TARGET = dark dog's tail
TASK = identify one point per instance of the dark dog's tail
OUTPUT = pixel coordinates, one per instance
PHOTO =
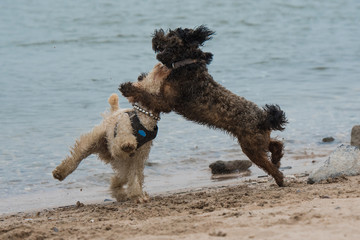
(275, 118)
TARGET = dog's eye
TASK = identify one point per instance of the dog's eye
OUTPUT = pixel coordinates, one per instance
(142, 76)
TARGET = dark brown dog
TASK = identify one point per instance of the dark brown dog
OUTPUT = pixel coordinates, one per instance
(189, 90)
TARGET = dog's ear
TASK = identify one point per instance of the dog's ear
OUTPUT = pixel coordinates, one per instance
(202, 34)
(158, 40)
(197, 36)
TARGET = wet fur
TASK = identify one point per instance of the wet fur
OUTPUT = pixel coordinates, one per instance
(192, 92)
(119, 151)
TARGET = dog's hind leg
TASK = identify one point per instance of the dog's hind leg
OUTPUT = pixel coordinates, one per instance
(257, 153)
(276, 148)
(84, 146)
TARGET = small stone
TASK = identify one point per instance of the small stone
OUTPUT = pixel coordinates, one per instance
(355, 136)
(217, 234)
(223, 167)
(79, 204)
(285, 168)
(55, 229)
(328, 139)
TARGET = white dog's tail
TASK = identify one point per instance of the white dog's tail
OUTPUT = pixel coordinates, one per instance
(114, 102)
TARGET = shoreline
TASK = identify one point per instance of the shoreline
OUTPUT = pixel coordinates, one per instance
(256, 209)
(62, 196)
(56, 198)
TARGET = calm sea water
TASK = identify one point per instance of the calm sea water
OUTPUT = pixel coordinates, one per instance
(61, 60)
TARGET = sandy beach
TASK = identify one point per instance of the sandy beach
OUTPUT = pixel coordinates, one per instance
(256, 209)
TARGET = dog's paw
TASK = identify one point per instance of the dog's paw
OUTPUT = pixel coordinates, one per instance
(127, 89)
(57, 174)
(128, 148)
(144, 198)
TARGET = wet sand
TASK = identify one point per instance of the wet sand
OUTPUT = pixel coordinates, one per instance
(255, 209)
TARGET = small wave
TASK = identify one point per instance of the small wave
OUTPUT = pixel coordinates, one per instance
(51, 42)
(247, 23)
(292, 6)
(82, 40)
(321, 68)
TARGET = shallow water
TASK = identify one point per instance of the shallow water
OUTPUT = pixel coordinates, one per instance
(61, 60)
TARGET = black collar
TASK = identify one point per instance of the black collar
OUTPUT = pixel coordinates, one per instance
(184, 62)
(140, 132)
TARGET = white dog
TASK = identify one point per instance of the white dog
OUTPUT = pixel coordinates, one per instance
(123, 139)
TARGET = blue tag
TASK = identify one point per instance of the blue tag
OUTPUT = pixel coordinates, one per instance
(142, 133)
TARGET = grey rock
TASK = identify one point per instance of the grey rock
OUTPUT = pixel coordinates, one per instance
(222, 167)
(355, 136)
(328, 139)
(344, 161)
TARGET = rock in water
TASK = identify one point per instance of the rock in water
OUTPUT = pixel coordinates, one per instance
(355, 136)
(222, 167)
(344, 161)
(328, 139)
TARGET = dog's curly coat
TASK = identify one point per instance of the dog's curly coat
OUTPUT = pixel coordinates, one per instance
(189, 90)
(114, 142)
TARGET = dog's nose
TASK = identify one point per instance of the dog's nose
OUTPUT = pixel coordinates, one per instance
(128, 148)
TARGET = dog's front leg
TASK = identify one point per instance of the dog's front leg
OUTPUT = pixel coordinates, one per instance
(84, 146)
(148, 100)
(136, 175)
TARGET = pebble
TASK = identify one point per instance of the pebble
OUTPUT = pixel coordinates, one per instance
(285, 168)
(218, 234)
(355, 136)
(328, 139)
(79, 204)
(223, 167)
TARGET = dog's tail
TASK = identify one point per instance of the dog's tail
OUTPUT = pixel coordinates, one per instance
(275, 118)
(114, 102)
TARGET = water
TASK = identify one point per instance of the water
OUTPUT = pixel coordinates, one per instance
(61, 60)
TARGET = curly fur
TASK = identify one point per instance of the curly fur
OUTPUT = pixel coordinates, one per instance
(120, 152)
(192, 92)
